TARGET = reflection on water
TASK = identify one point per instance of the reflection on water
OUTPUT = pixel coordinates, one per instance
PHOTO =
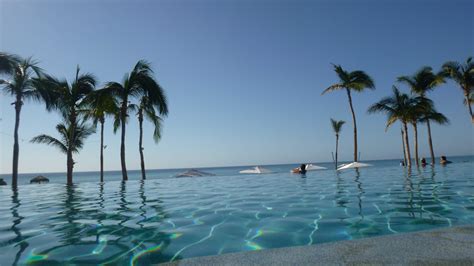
(16, 222)
(138, 223)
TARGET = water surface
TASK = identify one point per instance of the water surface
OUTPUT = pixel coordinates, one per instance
(164, 219)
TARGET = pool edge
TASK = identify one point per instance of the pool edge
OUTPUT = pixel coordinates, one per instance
(452, 245)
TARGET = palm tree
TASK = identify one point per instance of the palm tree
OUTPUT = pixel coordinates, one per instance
(420, 83)
(138, 83)
(99, 104)
(351, 81)
(463, 75)
(68, 100)
(420, 108)
(146, 109)
(22, 74)
(414, 123)
(432, 115)
(398, 107)
(337, 127)
(403, 147)
(79, 132)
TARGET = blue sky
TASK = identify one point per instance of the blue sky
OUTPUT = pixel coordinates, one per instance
(243, 78)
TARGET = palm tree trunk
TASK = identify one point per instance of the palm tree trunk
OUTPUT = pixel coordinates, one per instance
(123, 117)
(140, 143)
(466, 95)
(404, 150)
(69, 159)
(337, 144)
(70, 166)
(354, 122)
(415, 133)
(102, 150)
(407, 144)
(16, 145)
(430, 142)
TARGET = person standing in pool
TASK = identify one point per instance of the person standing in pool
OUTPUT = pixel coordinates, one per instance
(299, 170)
(444, 161)
(303, 169)
(423, 162)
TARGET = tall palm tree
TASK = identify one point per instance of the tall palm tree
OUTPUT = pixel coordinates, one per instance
(67, 98)
(146, 109)
(414, 123)
(138, 83)
(421, 83)
(398, 107)
(351, 81)
(99, 104)
(432, 115)
(337, 127)
(403, 147)
(420, 108)
(65, 144)
(463, 75)
(21, 75)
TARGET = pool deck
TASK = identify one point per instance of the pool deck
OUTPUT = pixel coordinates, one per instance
(447, 246)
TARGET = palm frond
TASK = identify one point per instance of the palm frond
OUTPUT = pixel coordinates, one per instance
(98, 104)
(154, 93)
(391, 119)
(48, 140)
(332, 88)
(81, 132)
(360, 80)
(150, 113)
(337, 125)
(399, 106)
(462, 74)
(423, 80)
(117, 122)
(407, 80)
(436, 117)
(8, 63)
(343, 75)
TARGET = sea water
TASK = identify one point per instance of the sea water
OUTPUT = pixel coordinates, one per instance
(165, 218)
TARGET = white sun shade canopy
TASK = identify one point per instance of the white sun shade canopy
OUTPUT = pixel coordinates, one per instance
(353, 165)
(256, 170)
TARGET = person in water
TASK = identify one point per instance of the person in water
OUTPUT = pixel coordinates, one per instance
(423, 162)
(444, 161)
(402, 163)
(303, 169)
(299, 170)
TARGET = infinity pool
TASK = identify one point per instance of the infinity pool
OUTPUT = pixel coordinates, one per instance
(159, 220)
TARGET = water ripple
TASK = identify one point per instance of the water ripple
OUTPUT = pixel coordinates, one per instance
(141, 223)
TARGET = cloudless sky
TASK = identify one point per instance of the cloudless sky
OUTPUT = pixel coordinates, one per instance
(243, 78)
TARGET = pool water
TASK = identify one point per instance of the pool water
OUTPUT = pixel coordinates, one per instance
(166, 219)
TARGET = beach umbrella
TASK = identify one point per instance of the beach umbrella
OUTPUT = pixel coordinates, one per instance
(353, 165)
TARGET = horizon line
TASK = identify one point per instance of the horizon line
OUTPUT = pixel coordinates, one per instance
(228, 166)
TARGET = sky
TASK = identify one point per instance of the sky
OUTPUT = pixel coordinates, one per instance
(243, 78)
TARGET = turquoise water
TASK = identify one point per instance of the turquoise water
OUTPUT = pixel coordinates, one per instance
(165, 218)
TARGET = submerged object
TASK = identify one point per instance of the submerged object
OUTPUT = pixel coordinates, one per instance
(39, 179)
(194, 172)
(2, 182)
(353, 165)
(309, 167)
(256, 170)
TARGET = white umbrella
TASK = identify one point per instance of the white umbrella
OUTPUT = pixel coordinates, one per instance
(353, 165)
(311, 167)
(256, 170)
